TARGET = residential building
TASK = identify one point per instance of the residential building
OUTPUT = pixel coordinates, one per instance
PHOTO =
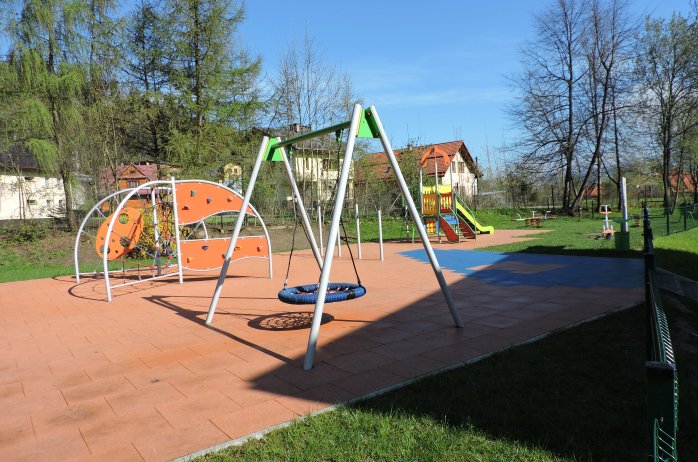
(29, 192)
(451, 162)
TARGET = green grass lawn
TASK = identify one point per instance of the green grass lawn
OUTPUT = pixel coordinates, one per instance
(679, 253)
(578, 395)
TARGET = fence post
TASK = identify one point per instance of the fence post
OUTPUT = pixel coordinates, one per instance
(668, 227)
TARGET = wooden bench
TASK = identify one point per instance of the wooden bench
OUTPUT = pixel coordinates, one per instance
(533, 222)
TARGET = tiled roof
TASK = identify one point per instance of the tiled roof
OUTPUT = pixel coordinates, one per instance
(432, 155)
(18, 157)
(146, 170)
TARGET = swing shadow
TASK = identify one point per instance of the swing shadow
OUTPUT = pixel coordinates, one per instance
(95, 285)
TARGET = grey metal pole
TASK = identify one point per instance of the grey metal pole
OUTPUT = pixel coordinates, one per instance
(236, 231)
(421, 192)
(624, 200)
(176, 230)
(339, 244)
(380, 234)
(319, 227)
(299, 201)
(417, 220)
(358, 230)
(332, 239)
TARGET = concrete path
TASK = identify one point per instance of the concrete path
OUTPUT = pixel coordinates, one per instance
(677, 284)
(143, 378)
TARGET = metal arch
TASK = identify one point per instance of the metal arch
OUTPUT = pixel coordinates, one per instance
(84, 222)
(255, 214)
(105, 255)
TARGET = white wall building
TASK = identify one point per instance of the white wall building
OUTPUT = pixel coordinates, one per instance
(26, 192)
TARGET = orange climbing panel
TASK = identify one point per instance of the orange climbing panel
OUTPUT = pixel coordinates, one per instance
(126, 231)
(208, 254)
(197, 201)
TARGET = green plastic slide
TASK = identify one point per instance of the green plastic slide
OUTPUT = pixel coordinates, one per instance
(463, 211)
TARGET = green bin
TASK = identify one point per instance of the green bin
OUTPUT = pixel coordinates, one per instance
(622, 240)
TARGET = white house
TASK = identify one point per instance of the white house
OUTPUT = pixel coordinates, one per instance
(27, 192)
(450, 161)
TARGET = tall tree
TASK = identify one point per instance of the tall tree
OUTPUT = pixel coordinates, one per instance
(549, 87)
(46, 80)
(213, 80)
(667, 73)
(145, 70)
(606, 50)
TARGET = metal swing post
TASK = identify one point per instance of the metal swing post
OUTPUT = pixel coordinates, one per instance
(332, 238)
(417, 220)
(236, 231)
(298, 200)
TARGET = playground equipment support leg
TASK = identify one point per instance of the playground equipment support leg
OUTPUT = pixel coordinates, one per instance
(319, 228)
(176, 230)
(380, 233)
(332, 239)
(358, 230)
(417, 220)
(304, 215)
(236, 231)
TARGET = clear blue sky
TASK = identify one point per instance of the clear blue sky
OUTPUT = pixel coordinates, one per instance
(435, 70)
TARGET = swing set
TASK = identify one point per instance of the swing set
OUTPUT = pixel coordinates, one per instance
(363, 124)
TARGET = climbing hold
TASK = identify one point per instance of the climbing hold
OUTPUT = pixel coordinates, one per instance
(205, 247)
(237, 247)
(185, 207)
(230, 198)
(209, 200)
(192, 193)
(189, 259)
(259, 248)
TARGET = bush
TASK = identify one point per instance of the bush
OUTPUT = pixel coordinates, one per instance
(26, 231)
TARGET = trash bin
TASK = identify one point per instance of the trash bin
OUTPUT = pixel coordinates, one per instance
(622, 240)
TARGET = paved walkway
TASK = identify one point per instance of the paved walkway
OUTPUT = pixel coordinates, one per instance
(143, 378)
(677, 284)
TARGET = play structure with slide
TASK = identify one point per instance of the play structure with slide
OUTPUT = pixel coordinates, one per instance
(451, 216)
(443, 210)
(160, 228)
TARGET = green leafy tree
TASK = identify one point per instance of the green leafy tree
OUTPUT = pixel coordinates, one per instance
(145, 66)
(212, 80)
(667, 74)
(44, 80)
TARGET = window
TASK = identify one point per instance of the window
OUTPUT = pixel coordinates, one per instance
(461, 167)
(47, 181)
(61, 203)
(49, 203)
(305, 163)
(31, 201)
(28, 178)
(133, 183)
(453, 166)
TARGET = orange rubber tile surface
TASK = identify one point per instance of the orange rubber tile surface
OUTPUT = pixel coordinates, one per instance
(143, 377)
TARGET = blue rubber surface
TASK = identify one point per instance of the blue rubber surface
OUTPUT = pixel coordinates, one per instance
(581, 272)
(307, 295)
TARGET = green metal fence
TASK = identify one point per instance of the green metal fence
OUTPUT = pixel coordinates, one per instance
(662, 380)
(665, 221)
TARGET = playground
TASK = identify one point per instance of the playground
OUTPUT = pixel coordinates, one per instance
(145, 377)
(184, 338)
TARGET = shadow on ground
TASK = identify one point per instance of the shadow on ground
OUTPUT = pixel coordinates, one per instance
(579, 393)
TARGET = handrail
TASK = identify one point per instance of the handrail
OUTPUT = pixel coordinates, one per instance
(662, 379)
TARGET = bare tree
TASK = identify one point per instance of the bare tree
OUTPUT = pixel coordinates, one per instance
(606, 50)
(549, 87)
(309, 92)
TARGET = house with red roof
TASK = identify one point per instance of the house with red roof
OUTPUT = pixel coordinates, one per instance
(451, 162)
